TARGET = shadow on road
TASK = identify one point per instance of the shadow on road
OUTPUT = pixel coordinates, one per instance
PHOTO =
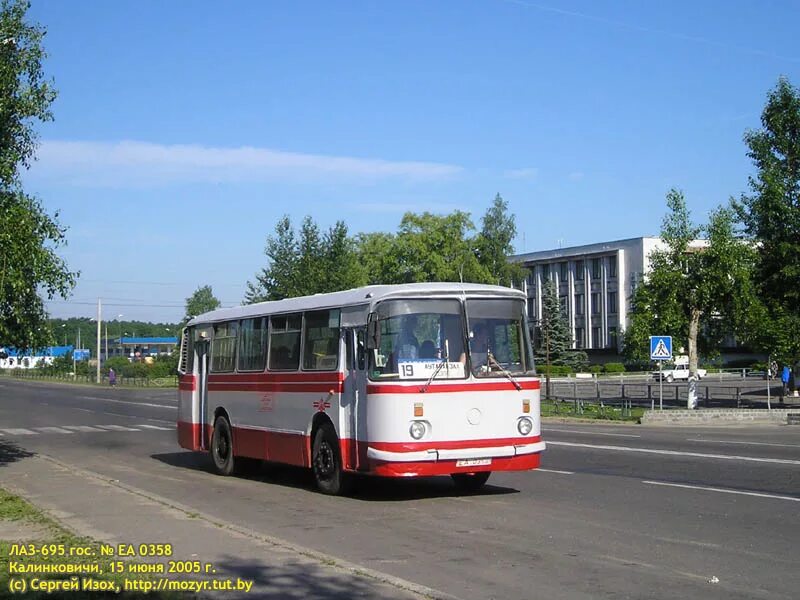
(11, 452)
(298, 580)
(365, 488)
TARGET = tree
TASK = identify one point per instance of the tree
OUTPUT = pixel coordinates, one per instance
(201, 301)
(374, 252)
(693, 292)
(771, 218)
(495, 243)
(553, 340)
(310, 263)
(29, 237)
(432, 247)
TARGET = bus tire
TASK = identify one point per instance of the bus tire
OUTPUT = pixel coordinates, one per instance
(470, 482)
(326, 462)
(222, 447)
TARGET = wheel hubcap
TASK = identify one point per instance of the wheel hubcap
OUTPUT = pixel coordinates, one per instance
(325, 461)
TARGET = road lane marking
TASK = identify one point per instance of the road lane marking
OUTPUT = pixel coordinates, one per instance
(83, 428)
(722, 490)
(746, 443)
(629, 435)
(170, 406)
(116, 428)
(156, 427)
(777, 461)
(556, 471)
(18, 431)
(52, 430)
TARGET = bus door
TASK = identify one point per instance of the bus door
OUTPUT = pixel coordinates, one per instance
(203, 358)
(355, 394)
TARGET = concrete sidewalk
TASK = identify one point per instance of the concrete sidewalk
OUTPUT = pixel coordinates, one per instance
(110, 512)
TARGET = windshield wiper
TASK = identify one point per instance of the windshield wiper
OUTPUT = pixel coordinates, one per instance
(491, 360)
(444, 361)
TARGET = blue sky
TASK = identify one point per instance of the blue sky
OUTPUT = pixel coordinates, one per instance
(184, 130)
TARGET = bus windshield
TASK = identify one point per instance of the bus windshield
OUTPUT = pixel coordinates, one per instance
(498, 339)
(417, 339)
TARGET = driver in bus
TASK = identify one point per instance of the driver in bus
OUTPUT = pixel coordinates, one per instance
(407, 345)
(479, 347)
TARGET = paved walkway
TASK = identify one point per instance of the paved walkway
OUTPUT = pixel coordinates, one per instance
(112, 513)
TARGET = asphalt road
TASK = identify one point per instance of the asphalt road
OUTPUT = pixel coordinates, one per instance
(616, 511)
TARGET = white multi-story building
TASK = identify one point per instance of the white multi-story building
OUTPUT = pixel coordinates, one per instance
(594, 283)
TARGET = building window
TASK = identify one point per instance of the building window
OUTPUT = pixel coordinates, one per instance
(612, 266)
(532, 307)
(531, 277)
(595, 303)
(596, 337)
(579, 341)
(595, 268)
(612, 337)
(579, 304)
(564, 309)
(612, 303)
(579, 270)
(563, 271)
(546, 271)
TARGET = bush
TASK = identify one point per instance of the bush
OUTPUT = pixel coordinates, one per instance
(555, 370)
(596, 369)
(614, 367)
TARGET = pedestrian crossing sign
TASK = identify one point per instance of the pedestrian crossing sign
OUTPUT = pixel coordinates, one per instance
(660, 347)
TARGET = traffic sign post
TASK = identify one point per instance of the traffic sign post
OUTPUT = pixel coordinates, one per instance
(660, 350)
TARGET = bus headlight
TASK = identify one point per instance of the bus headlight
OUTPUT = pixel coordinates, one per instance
(524, 425)
(417, 430)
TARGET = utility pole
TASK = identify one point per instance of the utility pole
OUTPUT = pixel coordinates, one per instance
(99, 317)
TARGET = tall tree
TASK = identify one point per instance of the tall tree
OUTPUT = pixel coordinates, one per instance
(553, 340)
(494, 244)
(201, 301)
(771, 216)
(693, 292)
(432, 247)
(29, 236)
(307, 263)
(374, 252)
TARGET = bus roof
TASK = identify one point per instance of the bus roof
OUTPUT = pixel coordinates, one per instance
(363, 296)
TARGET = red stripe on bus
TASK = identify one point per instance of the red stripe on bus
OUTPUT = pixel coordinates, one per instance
(186, 383)
(493, 386)
(189, 435)
(453, 445)
(524, 462)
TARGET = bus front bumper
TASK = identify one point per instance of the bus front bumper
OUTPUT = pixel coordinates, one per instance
(435, 455)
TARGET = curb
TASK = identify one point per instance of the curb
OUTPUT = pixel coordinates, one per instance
(323, 559)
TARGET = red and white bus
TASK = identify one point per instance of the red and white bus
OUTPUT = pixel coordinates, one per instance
(390, 380)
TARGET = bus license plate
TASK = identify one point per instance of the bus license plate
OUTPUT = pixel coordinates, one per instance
(474, 462)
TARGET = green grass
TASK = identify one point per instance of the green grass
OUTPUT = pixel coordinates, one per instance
(14, 508)
(551, 408)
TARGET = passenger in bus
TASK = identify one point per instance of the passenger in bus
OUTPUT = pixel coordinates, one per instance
(427, 349)
(407, 346)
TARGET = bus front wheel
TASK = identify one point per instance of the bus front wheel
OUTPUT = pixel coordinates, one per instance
(326, 462)
(470, 482)
(222, 447)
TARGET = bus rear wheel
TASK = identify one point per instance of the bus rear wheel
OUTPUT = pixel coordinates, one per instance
(326, 462)
(222, 447)
(470, 482)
